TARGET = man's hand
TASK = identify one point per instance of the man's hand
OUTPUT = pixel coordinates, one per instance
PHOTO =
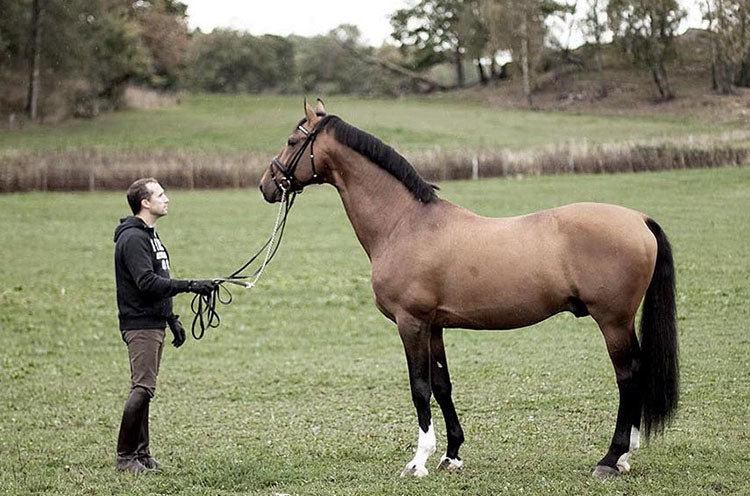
(202, 287)
(177, 330)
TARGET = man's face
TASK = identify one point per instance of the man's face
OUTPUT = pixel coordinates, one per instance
(158, 203)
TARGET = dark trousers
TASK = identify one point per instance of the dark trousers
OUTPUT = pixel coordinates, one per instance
(145, 348)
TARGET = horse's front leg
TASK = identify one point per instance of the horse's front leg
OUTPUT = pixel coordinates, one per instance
(416, 338)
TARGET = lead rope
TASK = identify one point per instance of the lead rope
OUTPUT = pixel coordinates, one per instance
(251, 285)
(204, 306)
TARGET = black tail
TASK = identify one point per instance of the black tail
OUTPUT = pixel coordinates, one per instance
(660, 368)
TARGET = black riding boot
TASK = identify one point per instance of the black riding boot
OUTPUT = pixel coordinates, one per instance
(143, 451)
(129, 439)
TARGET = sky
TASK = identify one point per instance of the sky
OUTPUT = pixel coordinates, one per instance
(285, 17)
(313, 17)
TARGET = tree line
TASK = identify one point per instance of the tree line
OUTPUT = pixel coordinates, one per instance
(644, 31)
(77, 56)
(72, 56)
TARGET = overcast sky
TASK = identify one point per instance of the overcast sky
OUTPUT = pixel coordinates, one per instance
(284, 17)
(312, 17)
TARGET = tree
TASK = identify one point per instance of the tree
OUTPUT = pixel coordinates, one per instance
(595, 25)
(438, 31)
(79, 51)
(743, 75)
(646, 29)
(338, 62)
(164, 32)
(729, 28)
(13, 32)
(525, 38)
(228, 61)
(473, 31)
(493, 17)
(117, 54)
(518, 25)
(224, 61)
(32, 103)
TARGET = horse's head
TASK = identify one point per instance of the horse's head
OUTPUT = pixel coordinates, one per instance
(295, 166)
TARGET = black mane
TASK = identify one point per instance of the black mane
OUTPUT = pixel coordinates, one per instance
(382, 155)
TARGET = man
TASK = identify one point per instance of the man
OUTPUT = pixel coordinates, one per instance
(144, 302)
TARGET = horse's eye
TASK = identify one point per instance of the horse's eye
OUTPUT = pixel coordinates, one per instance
(291, 141)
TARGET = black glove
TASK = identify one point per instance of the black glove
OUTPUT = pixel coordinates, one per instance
(202, 287)
(177, 330)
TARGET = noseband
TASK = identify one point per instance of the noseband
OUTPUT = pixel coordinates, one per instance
(286, 181)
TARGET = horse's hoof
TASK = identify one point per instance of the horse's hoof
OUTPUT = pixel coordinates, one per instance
(603, 472)
(414, 470)
(623, 466)
(450, 464)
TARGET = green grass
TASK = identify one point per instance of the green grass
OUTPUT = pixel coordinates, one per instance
(303, 389)
(250, 123)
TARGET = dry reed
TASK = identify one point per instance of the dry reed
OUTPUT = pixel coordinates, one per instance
(586, 158)
(91, 169)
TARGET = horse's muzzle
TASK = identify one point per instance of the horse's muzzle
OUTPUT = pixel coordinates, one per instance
(270, 191)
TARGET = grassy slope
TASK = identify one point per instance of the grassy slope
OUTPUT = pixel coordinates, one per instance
(303, 390)
(259, 123)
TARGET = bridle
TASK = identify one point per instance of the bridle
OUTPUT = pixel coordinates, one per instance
(286, 180)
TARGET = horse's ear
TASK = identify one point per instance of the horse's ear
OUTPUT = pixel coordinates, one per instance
(312, 119)
(320, 109)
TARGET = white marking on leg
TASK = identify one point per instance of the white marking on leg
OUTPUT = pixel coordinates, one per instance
(440, 365)
(426, 445)
(635, 439)
(452, 463)
(623, 466)
(623, 463)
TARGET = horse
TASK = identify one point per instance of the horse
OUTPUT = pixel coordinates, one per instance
(436, 265)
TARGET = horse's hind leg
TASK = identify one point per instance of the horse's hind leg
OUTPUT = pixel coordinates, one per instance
(624, 352)
(416, 338)
(441, 389)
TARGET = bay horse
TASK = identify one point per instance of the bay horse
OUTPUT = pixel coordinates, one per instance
(436, 265)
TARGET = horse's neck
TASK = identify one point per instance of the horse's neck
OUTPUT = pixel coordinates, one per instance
(375, 201)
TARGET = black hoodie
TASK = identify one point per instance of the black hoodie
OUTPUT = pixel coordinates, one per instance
(144, 289)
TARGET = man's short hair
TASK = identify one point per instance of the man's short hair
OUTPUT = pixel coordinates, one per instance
(139, 191)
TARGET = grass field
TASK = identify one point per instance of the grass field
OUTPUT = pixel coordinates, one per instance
(250, 123)
(303, 390)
